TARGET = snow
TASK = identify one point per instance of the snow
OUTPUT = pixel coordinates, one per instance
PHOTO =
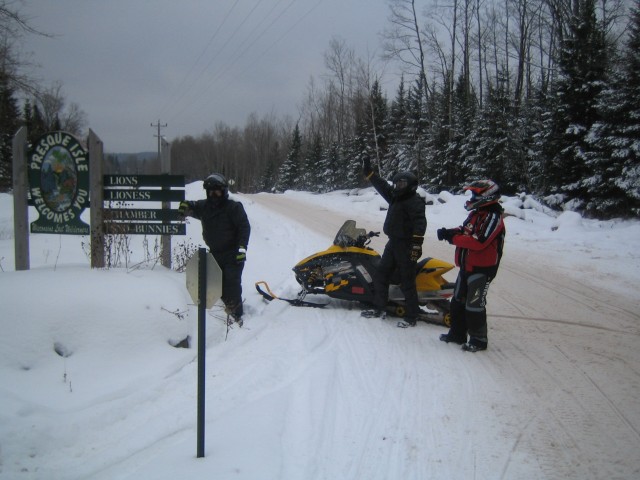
(92, 386)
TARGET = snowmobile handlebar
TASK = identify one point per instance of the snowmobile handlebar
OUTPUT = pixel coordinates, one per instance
(364, 240)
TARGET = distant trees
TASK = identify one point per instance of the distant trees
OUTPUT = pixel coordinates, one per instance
(542, 96)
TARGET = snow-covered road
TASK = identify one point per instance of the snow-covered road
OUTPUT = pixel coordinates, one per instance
(558, 391)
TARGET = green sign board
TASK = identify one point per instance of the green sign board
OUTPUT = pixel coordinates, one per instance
(142, 215)
(143, 180)
(58, 168)
(143, 221)
(145, 228)
(142, 195)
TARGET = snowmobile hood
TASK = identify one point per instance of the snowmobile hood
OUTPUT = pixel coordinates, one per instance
(334, 249)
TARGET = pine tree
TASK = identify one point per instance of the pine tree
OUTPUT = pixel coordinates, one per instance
(371, 123)
(396, 127)
(414, 135)
(9, 123)
(331, 168)
(494, 148)
(582, 66)
(313, 171)
(290, 168)
(614, 184)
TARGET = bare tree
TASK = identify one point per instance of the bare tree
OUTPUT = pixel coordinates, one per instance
(56, 115)
(339, 60)
(13, 25)
(404, 41)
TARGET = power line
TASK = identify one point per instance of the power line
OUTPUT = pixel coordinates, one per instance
(180, 91)
(221, 72)
(203, 70)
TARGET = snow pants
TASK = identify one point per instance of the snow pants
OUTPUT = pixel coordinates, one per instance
(231, 281)
(396, 257)
(468, 305)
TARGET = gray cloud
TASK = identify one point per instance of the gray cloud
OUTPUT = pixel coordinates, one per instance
(190, 63)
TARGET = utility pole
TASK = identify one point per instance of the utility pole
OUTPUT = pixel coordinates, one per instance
(164, 163)
(159, 126)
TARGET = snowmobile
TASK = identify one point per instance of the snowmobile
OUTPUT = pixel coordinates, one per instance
(345, 271)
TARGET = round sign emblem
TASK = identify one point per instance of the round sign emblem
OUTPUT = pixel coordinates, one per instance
(59, 184)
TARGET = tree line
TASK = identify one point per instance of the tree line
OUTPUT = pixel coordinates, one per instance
(542, 96)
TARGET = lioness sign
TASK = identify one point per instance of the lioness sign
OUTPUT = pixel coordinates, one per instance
(58, 167)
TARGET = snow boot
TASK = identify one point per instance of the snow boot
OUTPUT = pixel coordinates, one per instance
(406, 323)
(475, 344)
(448, 338)
(374, 313)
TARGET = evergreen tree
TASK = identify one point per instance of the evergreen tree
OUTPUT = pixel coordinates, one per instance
(290, 168)
(582, 66)
(494, 148)
(614, 184)
(414, 136)
(36, 126)
(371, 122)
(9, 123)
(395, 128)
(313, 171)
(331, 168)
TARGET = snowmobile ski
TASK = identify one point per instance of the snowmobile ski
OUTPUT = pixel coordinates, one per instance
(297, 302)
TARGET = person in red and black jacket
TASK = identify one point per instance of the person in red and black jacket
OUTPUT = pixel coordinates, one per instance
(479, 243)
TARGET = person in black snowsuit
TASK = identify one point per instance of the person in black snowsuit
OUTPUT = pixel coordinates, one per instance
(225, 230)
(479, 244)
(405, 226)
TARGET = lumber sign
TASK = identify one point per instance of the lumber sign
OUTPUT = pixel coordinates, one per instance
(124, 191)
(58, 170)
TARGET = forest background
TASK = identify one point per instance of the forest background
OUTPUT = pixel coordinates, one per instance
(542, 96)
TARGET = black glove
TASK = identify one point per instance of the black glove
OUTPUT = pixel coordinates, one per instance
(416, 248)
(367, 171)
(241, 256)
(446, 234)
(184, 207)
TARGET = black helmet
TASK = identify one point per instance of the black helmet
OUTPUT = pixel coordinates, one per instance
(483, 193)
(404, 183)
(216, 181)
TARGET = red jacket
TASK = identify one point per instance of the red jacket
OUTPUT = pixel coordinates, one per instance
(480, 239)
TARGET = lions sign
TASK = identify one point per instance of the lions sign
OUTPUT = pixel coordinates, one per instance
(59, 184)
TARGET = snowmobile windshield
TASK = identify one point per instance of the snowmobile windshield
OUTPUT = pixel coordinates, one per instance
(348, 234)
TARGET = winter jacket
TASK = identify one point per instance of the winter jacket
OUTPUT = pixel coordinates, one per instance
(480, 239)
(405, 218)
(225, 226)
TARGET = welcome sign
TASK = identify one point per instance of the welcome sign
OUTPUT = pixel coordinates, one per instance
(58, 168)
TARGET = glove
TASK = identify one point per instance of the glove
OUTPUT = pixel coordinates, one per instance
(443, 234)
(416, 248)
(446, 234)
(367, 171)
(241, 256)
(184, 207)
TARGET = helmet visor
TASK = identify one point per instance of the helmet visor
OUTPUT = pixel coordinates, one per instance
(400, 184)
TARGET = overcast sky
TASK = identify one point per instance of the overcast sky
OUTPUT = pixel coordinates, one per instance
(191, 63)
